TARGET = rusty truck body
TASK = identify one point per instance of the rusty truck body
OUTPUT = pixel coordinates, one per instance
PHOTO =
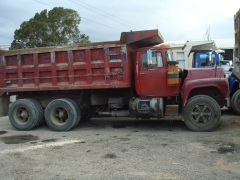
(130, 77)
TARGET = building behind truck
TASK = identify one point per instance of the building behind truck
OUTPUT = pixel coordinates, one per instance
(130, 77)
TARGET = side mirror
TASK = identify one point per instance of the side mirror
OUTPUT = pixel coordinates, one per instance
(210, 59)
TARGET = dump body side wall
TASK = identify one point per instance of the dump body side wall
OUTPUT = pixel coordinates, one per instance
(90, 67)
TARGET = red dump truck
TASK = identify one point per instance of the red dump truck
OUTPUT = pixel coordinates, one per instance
(131, 77)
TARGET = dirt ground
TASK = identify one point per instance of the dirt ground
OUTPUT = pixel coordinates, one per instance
(120, 148)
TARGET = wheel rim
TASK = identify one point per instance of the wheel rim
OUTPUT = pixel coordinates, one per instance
(59, 116)
(201, 113)
(21, 115)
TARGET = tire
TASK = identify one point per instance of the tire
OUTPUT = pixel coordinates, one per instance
(89, 114)
(77, 109)
(60, 115)
(201, 113)
(39, 109)
(23, 115)
(235, 102)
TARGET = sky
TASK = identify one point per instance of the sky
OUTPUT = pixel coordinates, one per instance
(104, 20)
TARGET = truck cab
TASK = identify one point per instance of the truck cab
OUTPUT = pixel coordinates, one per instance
(163, 89)
(155, 70)
(211, 58)
(151, 70)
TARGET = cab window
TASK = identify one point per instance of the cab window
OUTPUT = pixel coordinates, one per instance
(152, 61)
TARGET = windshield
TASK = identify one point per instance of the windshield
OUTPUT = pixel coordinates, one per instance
(204, 59)
(169, 55)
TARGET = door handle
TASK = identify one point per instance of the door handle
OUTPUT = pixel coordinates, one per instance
(142, 73)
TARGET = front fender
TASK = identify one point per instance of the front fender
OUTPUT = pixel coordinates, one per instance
(190, 84)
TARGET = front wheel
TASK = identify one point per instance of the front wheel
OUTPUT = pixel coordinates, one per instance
(202, 113)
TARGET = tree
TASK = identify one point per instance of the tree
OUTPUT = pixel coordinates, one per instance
(57, 27)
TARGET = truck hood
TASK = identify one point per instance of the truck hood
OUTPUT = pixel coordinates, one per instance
(203, 73)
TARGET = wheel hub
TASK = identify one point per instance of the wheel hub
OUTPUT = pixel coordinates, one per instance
(24, 114)
(201, 113)
(61, 114)
(21, 115)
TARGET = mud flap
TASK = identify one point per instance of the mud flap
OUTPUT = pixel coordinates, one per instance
(4, 106)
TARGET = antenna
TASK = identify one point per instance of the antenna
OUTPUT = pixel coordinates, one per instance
(207, 34)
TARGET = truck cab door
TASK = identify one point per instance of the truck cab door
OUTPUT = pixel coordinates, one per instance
(152, 75)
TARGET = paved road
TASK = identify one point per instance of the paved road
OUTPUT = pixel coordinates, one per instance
(119, 148)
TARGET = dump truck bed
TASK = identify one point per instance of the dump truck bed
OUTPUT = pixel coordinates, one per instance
(88, 66)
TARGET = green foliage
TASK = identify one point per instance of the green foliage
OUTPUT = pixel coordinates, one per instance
(57, 27)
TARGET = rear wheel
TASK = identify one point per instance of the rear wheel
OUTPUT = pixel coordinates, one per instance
(39, 109)
(77, 109)
(60, 115)
(23, 115)
(235, 102)
(202, 113)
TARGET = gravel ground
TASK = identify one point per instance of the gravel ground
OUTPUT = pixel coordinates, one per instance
(120, 148)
